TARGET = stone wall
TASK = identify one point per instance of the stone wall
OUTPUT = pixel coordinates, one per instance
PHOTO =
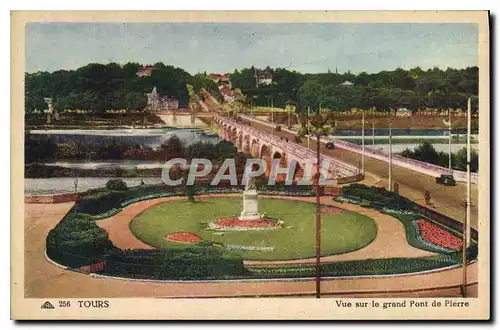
(50, 199)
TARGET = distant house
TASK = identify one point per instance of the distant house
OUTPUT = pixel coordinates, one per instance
(229, 96)
(219, 78)
(170, 103)
(145, 71)
(347, 83)
(263, 77)
(158, 103)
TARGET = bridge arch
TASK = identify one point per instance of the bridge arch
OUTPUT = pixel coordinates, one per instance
(266, 154)
(239, 141)
(233, 134)
(283, 163)
(254, 149)
(246, 144)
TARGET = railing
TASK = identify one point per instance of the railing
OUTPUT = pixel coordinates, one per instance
(413, 164)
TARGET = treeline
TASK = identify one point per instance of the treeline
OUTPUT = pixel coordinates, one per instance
(100, 87)
(425, 152)
(412, 89)
(38, 150)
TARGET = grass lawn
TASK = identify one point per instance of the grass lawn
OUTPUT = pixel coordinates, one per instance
(343, 232)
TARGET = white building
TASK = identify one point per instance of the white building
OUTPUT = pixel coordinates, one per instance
(263, 77)
(158, 103)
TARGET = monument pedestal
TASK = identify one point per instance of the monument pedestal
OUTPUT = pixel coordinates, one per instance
(250, 205)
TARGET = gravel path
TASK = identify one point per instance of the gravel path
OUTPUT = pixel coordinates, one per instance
(390, 241)
(43, 279)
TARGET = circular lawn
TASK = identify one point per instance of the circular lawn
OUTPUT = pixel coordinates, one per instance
(295, 239)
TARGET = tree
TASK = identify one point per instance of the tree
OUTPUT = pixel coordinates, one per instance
(101, 87)
(309, 94)
(116, 184)
(172, 148)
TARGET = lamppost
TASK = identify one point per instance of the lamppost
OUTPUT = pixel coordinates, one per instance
(48, 100)
(272, 115)
(449, 141)
(448, 124)
(308, 123)
(319, 127)
(464, 251)
(390, 155)
(373, 127)
(467, 203)
(469, 126)
(363, 144)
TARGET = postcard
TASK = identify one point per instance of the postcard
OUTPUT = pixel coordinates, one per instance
(250, 165)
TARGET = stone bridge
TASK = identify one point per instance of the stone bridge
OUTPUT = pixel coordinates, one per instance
(269, 147)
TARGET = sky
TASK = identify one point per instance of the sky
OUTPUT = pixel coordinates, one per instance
(224, 47)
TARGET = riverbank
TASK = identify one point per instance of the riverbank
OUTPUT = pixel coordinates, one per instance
(349, 121)
(93, 120)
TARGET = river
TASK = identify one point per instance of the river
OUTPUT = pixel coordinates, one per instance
(146, 137)
(440, 147)
(66, 185)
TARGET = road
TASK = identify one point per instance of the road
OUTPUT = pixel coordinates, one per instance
(412, 185)
(444, 199)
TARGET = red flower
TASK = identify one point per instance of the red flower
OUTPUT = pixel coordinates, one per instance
(185, 237)
(438, 236)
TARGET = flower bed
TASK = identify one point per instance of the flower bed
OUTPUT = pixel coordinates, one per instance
(215, 190)
(235, 223)
(146, 197)
(107, 214)
(343, 199)
(421, 243)
(250, 248)
(398, 211)
(438, 236)
(286, 193)
(183, 237)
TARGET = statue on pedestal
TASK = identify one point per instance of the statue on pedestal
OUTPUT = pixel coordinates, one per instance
(250, 202)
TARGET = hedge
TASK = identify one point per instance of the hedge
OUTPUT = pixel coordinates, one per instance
(399, 207)
(101, 201)
(116, 184)
(377, 196)
(361, 267)
(174, 264)
(77, 240)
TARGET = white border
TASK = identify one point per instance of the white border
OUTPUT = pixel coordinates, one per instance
(157, 4)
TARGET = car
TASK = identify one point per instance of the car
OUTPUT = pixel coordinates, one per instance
(446, 179)
(330, 145)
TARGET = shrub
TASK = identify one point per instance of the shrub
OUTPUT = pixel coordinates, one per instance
(190, 194)
(190, 263)
(77, 241)
(360, 267)
(116, 184)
